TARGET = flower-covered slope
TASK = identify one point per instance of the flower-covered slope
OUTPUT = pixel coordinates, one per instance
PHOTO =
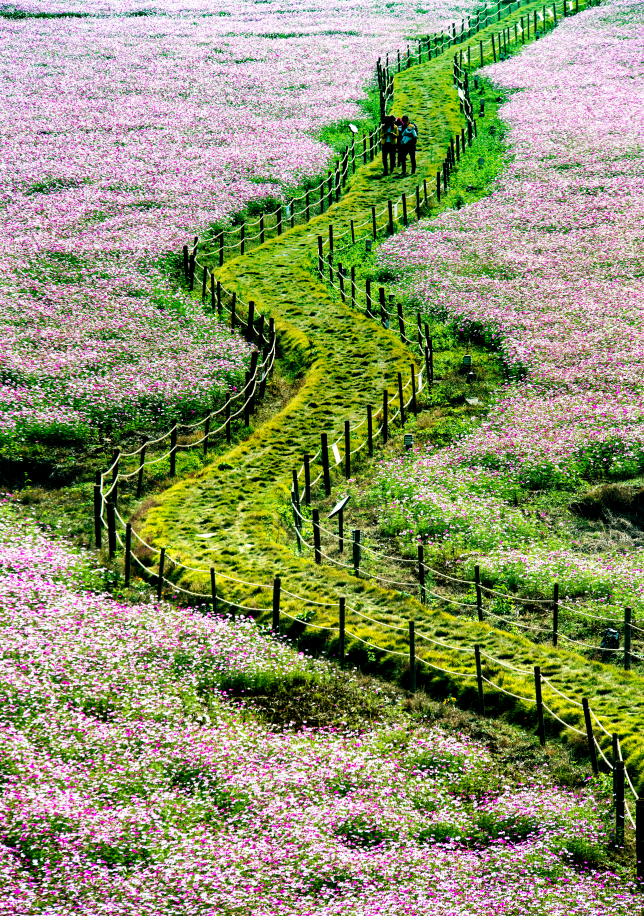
(131, 784)
(126, 129)
(548, 269)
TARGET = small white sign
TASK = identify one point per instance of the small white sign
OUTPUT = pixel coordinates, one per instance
(336, 453)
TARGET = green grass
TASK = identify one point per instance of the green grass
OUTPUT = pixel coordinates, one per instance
(344, 361)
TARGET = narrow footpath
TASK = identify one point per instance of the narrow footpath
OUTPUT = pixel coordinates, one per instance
(234, 515)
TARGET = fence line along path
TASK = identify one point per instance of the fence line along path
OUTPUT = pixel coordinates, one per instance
(234, 515)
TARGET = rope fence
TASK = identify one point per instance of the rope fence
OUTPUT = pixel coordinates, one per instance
(108, 518)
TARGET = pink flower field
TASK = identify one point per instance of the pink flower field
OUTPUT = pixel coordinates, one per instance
(127, 129)
(132, 784)
(547, 269)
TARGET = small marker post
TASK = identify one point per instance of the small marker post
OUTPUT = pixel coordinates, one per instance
(277, 591)
(213, 590)
(128, 553)
(412, 657)
(537, 690)
(479, 679)
(160, 576)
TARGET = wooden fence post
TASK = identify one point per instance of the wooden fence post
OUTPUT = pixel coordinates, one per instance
(385, 416)
(139, 480)
(537, 690)
(342, 630)
(383, 307)
(186, 262)
(404, 206)
(479, 593)
(401, 399)
(297, 515)
(592, 750)
(317, 541)
(412, 657)
(370, 430)
(242, 238)
(325, 464)
(320, 255)
(618, 792)
(228, 430)
(390, 213)
(347, 449)
(173, 450)
(555, 614)
(414, 405)
(355, 539)
(111, 528)
(627, 638)
(307, 480)
(161, 571)
(204, 284)
(479, 679)
(213, 590)
(98, 527)
(374, 226)
(401, 322)
(247, 399)
(428, 371)
(277, 590)
(438, 187)
(128, 553)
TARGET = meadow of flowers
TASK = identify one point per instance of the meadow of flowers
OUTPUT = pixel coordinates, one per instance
(132, 784)
(126, 129)
(547, 269)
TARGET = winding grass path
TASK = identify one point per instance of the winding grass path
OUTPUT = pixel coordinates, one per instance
(234, 514)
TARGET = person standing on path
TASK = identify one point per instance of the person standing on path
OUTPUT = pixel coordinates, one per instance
(399, 127)
(408, 140)
(389, 140)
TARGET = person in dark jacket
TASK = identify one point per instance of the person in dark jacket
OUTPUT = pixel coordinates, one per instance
(389, 140)
(408, 140)
(399, 125)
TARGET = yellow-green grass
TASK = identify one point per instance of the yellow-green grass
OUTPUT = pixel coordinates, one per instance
(242, 501)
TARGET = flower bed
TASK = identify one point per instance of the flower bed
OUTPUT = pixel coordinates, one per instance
(545, 267)
(545, 270)
(146, 126)
(131, 781)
